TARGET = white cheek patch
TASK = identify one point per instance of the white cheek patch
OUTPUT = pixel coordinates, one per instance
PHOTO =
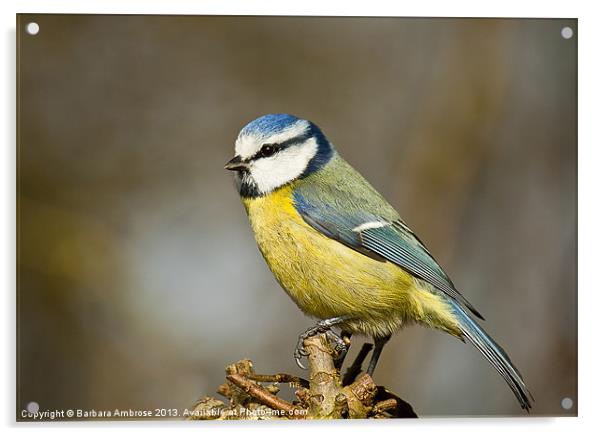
(247, 145)
(285, 166)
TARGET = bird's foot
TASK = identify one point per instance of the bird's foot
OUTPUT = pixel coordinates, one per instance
(342, 349)
(324, 326)
(337, 342)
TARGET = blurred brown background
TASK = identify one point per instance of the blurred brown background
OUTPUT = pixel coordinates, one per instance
(138, 275)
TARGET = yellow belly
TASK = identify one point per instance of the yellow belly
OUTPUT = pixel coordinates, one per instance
(327, 279)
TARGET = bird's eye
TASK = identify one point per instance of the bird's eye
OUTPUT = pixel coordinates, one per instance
(268, 150)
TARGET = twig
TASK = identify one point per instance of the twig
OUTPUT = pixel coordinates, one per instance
(263, 396)
(364, 389)
(279, 378)
(360, 396)
(385, 405)
(403, 409)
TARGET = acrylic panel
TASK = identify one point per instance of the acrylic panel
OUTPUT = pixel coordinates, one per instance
(139, 278)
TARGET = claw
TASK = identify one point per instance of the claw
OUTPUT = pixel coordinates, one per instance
(324, 326)
(299, 353)
(339, 344)
(299, 364)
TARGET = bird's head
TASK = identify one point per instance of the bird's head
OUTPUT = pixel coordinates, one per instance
(274, 150)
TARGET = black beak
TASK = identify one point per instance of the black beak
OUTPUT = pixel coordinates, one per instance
(236, 164)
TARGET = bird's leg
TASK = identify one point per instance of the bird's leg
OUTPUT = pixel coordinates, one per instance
(346, 337)
(356, 367)
(379, 343)
(323, 326)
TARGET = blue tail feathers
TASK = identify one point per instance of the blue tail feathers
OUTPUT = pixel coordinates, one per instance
(494, 354)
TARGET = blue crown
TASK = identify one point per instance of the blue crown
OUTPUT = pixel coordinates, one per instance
(269, 124)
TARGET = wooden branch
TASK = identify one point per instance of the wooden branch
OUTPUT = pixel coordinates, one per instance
(323, 396)
(324, 383)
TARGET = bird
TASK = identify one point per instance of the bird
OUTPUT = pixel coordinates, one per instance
(341, 251)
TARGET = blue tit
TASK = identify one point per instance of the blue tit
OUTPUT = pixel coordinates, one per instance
(340, 250)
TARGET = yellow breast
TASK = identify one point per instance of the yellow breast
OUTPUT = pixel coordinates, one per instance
(327, 279)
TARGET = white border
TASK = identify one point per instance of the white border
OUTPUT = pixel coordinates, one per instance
(508, 8)
(590, 144)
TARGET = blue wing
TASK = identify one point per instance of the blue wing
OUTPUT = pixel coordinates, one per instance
(333, 211)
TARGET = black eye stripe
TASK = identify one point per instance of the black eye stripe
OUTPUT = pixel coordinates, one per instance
(281, 146)
(295, 140)
(266, 150)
